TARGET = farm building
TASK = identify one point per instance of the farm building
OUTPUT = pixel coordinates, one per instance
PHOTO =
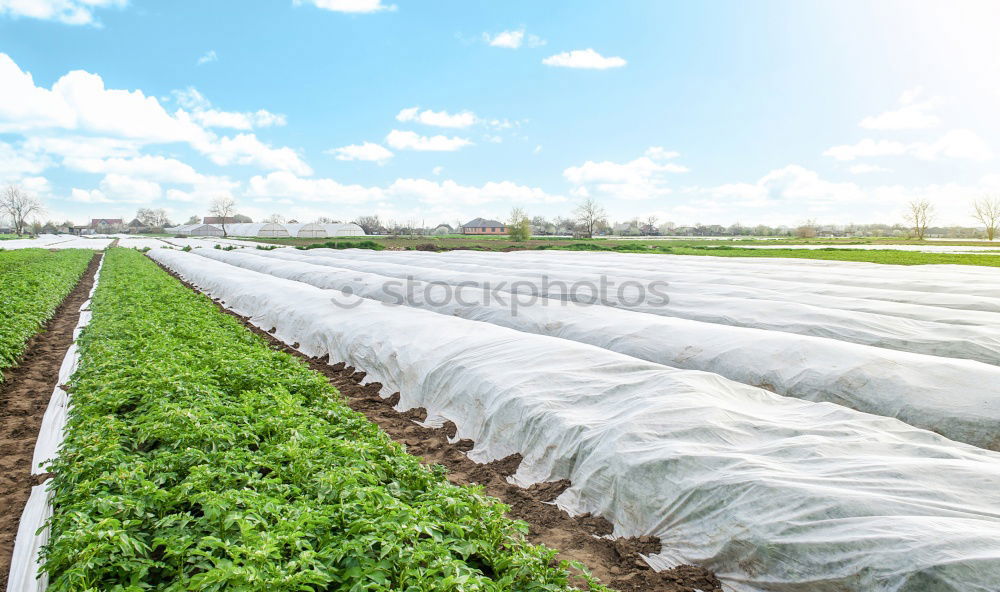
(271, 230)
(294, 230)
(106, 224)
(348, 229)
(307, 230)
(216, 220)
(259, 229)
(196, 230)
(484, 226)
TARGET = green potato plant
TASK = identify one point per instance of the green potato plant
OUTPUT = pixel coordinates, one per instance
(32, 284)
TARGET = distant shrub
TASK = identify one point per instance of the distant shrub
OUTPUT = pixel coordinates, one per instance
(367, 244)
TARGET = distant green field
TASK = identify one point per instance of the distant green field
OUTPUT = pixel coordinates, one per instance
(704, 247)
(8, 236)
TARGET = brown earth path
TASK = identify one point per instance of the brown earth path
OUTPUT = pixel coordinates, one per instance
(24, 395)
(615, 562)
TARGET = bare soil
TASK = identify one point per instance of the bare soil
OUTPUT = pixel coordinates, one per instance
(615, 562)
(24, 395)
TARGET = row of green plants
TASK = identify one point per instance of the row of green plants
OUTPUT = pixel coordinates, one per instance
(32, 284)
(341, 244)
(198, 458)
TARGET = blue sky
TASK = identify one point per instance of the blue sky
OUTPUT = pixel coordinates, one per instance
(712, 112)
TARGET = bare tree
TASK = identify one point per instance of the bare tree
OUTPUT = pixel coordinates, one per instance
(18, 206)
(651, 221)
(987, 210)
(807, 229)
(153, 218)
(223, 207)
(919, 215)
(370, 224)
(274, 219)
(194, 220)
(589, 214)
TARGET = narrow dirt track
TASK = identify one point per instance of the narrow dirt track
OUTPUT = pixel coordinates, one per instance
(24, 395)
(615, 562)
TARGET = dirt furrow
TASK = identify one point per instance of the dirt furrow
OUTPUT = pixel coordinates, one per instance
(24, 395)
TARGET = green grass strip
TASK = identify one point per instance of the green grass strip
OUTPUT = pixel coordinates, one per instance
(197, 458)
(32, 284)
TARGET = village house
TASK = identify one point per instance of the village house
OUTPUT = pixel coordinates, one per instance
(484, 226)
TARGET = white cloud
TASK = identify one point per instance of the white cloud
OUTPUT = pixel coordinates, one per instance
(406, 140)
(367, 151)
(584, 58)
(958, 143)
(860, 169)
(115, 188)
(642, 178)
(201, 111)
(246, 149)
(70, 12)
(450, 193)
(83, 146)
(283, 185)
(79, 101)
(37, 186)
(437, 118)
(797, 184)
(286, 185)
(513, 39)
(350, 6)
(910, 113)
(437, 170)
(124, 188)
(15, 162)
(153, 168)
(867, 148)
(239, 121)
(209, 56)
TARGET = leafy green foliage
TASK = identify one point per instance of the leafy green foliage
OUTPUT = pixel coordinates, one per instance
(197, 458)
(339, 244)
(32, 284)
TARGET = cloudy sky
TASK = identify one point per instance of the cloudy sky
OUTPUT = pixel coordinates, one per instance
(749, 111)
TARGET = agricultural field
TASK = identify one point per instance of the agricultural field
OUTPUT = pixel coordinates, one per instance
(764, 391)
(56, 241)
(32, 284)
(895, 252)
(777, 423)
(208, 461)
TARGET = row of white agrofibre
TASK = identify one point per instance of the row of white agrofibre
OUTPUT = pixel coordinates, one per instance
(975, 338)
(957, 398)
(770, 492)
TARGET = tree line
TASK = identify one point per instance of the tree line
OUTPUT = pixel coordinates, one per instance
(23, 212)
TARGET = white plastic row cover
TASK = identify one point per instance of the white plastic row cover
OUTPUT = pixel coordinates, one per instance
(769, 492)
